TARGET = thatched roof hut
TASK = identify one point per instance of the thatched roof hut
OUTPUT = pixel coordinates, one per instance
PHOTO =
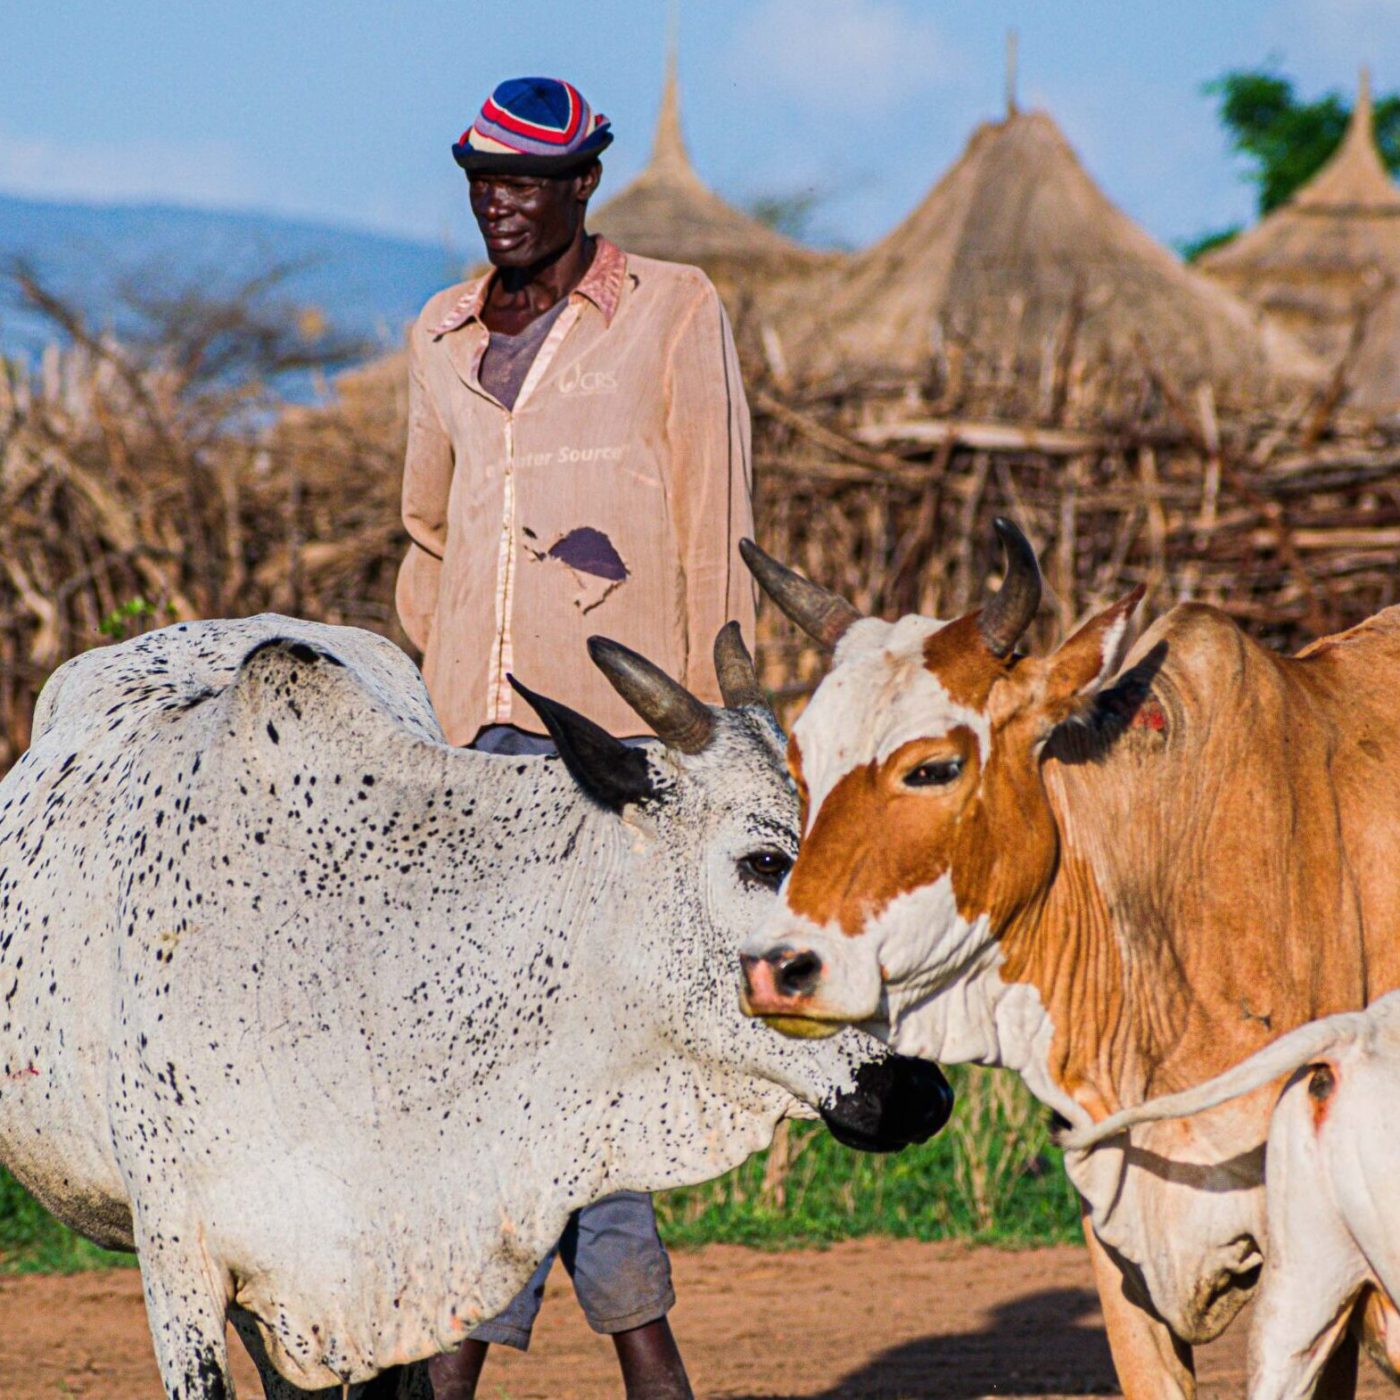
(1018, 259)
(1326, 263)
(669, 212)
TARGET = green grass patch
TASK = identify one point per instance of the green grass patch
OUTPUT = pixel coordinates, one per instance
(33, 1242)
(991, 1176)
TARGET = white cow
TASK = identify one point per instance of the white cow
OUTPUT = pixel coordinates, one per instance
(334, 1024)
(1331, 1170)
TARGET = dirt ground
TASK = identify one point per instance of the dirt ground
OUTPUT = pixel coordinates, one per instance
(871, 1319)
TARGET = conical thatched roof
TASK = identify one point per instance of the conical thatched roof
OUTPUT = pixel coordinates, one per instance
(1015, 251)
(669, 212)
(1329, 255)
(1375, 373)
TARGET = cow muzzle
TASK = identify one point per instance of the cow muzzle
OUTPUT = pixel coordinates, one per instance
(896, 1103)
(780, 986)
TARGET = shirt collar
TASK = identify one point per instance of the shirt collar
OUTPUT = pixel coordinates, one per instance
(602, 285)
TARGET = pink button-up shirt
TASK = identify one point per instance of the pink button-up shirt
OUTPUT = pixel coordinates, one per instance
(610, 500)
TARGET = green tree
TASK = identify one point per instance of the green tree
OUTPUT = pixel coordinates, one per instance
(1193, 248)
(1287, 140)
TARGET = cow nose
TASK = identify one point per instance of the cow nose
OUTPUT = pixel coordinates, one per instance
(895, 1102)
(796, 972)
(781, 974)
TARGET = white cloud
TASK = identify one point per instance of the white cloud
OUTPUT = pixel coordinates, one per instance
(845, 56)
(180, 172)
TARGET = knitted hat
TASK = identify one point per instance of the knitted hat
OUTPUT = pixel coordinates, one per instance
(533, 126)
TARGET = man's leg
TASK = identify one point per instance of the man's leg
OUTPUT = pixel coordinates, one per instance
(651, 1363)
(454, 1375)
(623, 1280)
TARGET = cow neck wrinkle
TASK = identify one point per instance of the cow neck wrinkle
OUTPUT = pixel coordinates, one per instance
(1101, 945)
(1103, 1016)
(564, 854)
(622, 857)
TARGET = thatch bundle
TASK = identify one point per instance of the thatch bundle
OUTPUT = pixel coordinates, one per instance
(1326, 264)
(1369, 370)
(1018, 263)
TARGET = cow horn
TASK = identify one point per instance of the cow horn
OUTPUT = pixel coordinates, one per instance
(822, 615)
(680, 720)
(1011, 609)
(738, 681)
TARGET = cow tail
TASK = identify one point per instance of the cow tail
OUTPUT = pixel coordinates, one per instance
(1288, 1053)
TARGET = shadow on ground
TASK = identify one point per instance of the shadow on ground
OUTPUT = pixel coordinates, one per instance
(1035, 1345)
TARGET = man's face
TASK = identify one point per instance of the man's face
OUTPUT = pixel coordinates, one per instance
(526, 219)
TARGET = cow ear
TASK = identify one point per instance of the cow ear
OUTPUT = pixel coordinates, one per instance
(610, 772)
(1088, 659)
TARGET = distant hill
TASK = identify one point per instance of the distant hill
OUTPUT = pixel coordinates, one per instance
(366, 284)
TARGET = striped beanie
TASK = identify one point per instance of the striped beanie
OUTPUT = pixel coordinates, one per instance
(533, 126)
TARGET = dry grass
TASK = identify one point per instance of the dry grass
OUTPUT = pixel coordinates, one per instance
(166, 473)
(1289, 520)
(159, 478)
(998, 1135)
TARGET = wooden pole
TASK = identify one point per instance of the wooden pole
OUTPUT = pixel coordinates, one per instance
(1010, 73)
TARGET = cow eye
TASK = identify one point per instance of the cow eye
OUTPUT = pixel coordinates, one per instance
(768, 867)
(937, 773)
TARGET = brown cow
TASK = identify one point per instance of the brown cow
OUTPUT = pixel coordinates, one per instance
(1116, 887)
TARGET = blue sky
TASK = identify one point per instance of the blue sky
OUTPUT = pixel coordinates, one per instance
(344, 111)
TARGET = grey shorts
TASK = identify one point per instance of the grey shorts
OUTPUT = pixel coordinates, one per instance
(619, 1267)
(507, 739)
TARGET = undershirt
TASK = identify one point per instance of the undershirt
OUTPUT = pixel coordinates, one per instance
(508, 358)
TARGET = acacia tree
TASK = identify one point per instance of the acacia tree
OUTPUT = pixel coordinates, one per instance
(152, 471)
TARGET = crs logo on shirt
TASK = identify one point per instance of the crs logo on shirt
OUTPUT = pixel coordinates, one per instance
(582, 382)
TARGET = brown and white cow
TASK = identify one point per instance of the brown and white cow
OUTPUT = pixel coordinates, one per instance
(1115, 882)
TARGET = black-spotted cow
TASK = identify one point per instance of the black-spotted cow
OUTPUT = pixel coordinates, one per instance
(334, 1024)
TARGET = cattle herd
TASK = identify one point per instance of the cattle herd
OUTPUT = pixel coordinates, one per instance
(334, 1024)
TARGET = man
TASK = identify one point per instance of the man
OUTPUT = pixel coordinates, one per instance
(578, 462)
(609, 494)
